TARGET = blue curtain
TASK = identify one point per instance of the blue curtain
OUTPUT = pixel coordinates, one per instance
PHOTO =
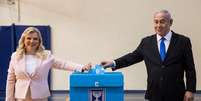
(9, 36)
(6, 40)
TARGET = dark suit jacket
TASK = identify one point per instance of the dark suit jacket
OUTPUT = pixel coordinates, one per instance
(165, 78)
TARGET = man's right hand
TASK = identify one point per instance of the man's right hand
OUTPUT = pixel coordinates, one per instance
(107, 64)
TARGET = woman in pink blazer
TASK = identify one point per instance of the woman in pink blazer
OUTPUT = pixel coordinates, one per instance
(29, 67)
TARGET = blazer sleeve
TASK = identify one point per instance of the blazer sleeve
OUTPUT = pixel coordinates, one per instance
(11, 79)
(189, 67)
(65, 65)
(130, 58)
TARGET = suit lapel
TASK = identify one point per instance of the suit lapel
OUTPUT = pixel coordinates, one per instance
(155, 48)
(171, 46)
(23, 62)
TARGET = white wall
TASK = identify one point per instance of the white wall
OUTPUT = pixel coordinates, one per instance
(94, 30)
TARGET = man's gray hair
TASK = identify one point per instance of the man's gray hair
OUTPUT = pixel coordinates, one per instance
(166, 12)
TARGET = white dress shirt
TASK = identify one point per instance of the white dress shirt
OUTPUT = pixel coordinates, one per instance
(166, 41)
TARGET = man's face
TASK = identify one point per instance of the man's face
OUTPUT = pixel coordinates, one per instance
(162, 23)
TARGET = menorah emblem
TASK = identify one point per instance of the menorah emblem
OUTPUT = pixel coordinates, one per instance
(97, 95)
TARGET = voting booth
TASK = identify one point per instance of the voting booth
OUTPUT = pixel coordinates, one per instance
(96, 87)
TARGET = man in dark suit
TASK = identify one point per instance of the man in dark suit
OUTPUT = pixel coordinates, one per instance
(167, 55)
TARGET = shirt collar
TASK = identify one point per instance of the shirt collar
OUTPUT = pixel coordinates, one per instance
(167, 36)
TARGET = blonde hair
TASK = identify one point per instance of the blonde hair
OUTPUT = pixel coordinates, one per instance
(40, 52)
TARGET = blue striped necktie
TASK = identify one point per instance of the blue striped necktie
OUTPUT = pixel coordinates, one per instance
(162, 49)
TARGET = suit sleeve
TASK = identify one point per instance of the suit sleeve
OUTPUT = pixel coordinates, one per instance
(11, 79)
(189, 67)
(130, 58)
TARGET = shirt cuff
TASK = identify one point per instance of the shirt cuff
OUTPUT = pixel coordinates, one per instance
(114, 64)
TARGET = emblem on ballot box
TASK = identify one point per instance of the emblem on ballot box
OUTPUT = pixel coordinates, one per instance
(96, 95)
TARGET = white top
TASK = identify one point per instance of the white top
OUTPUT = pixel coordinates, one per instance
(166, 41)
(31, 63)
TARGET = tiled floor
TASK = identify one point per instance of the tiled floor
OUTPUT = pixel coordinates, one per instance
(128, 97)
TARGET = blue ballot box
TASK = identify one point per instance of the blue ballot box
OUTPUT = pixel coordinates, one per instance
(96, 87)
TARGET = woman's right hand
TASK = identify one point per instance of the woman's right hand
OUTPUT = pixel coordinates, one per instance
(87, 67)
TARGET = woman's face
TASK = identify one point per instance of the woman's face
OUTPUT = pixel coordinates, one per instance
(31, 42)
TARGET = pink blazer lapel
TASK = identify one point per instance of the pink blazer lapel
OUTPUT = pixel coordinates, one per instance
(23, 65)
